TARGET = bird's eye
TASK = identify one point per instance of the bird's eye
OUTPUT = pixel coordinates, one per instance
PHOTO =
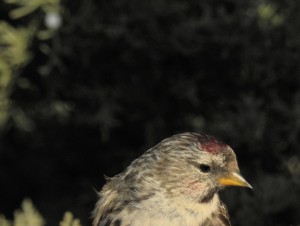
(204, 168)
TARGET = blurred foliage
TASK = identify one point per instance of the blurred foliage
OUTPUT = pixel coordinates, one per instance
(14, 43)
(293, 165)
(28, 6)
(13, 53)
(29, 216)
(87, 86)
(268, 15)
(69, 220)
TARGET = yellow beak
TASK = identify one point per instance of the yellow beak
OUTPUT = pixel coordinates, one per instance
(234, 179)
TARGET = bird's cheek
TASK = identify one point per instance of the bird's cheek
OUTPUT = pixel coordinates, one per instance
(194, 188)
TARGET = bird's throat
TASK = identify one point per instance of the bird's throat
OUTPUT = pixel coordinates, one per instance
(208, 198)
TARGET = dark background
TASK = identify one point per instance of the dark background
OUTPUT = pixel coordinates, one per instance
(123, 75)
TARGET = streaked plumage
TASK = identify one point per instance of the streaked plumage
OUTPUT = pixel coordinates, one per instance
(175, 183)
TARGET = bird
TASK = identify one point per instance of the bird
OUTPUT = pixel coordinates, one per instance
(174, 183)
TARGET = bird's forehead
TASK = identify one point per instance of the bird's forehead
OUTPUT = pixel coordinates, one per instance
(211, 145)
(226, 157)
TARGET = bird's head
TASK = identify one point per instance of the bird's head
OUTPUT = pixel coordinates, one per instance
(196, 166)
